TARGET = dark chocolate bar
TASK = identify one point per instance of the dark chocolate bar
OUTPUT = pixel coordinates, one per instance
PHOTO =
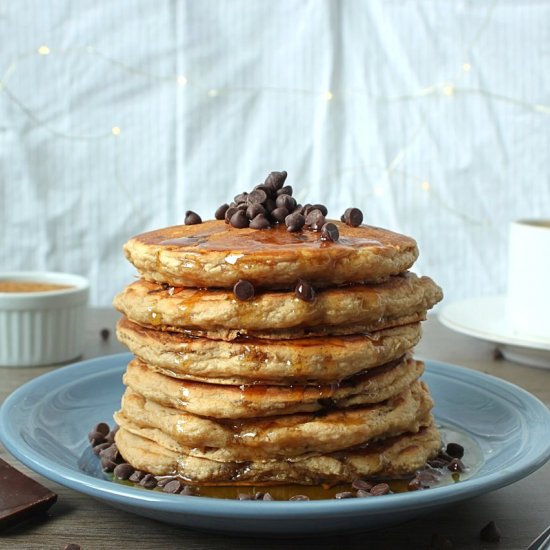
(20, 496)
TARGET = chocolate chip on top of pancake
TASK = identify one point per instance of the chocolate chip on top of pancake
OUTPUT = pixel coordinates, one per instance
(274, 345)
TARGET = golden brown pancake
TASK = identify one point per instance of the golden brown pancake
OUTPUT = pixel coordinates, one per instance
(286, 435)
(214, 254)
(390, 458)
(276, 314)
(308, 360)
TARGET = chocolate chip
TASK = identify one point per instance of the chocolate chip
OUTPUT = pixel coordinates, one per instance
(111, 435)
(279, 214)
(299, 497)
(320, 207)
(243, 290)
(380, 489)
(353, 217)
(98, 448)
(239, 219)
(244, 496)
(257, 196)
(148, 481)
(286, 190)
(111, 453)
(107, 464)
(220, 212)
(305, 291)
(454, 450)
(490, 533)
(363, 485)
(105, 333)
(163, 480)
(497, 354)
(229, 213)
(259, 495)
(294, 222)
(241, 197)
(344, 494)
(428, 476)
(137, 476)
(96, 438)
(286, 201)
(192, 218)
(437, 463)
(72, 546)
(260, 222)
(173, 487)
(187, 491)
(276, 179)
(123, 471)
(242, 206)
(102, 428)
(440, 542)
(455, 465)
(270, 205)
(442, 455)
(269, 191)
(361, 493)
(415, 485)
(329, 232)
(315, 219)
(253, 210)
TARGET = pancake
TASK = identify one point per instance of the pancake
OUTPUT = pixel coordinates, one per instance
(287, 435)
(214, 254)
(373, 306)
(390, 458)
(307, 360)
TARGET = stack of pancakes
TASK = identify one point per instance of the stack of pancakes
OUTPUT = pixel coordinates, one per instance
(283, 387)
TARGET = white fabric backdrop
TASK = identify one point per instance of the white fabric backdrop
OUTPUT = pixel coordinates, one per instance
(431, 115)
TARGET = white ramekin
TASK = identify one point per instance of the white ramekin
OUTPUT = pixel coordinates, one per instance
(42, 328)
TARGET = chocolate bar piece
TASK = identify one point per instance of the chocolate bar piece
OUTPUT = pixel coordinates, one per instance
(20, 496)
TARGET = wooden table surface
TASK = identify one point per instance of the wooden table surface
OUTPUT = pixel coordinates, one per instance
(521, 510)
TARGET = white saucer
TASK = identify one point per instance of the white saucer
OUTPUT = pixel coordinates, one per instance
(485, 318)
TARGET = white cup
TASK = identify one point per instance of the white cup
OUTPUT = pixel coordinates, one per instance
(528, 302)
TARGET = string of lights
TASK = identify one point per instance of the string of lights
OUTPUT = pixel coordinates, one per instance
(450, 89)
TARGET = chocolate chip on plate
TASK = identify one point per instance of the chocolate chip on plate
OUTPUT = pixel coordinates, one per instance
(361, 484)
(490, 533)
(123, 471)
(192, 218)
(454, 450)
(173, 487)
(243, 290)
(455, 465)
(105, 333)
(305, 291)
(299, 497)
(148, 481)
(220, 211)
(344, 494)
(329, 232)
(137, 476)
(380, 489)
(361, 493)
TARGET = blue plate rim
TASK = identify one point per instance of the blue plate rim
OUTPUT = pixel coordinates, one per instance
(206, 506)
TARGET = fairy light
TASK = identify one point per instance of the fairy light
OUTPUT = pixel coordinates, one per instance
(448, 90)
(115, 130)
(425, 186)
(328, 95)
(44, 50)
(466, 67)
(181, 80)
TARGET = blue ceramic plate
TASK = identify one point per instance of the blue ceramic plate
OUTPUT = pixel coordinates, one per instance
(44, 424)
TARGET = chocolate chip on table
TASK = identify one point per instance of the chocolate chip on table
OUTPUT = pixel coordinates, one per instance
(294, 222)
(299, 497)
(123, 471)
(329, 232)
(315, 219)
(380, 489)
(353, 217)
(253, 210)
(192, 218)
(490, 533)
(173, 487)
(305, 291)
(439, 542)
(105, 333)
(276, 180)
(148, 481)
(279, 214)
(243, 290)
(344, 494)
(239, 219)
(454, 450)
(359, 484)
(260, 222)
(455, 465)
(220, 211)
